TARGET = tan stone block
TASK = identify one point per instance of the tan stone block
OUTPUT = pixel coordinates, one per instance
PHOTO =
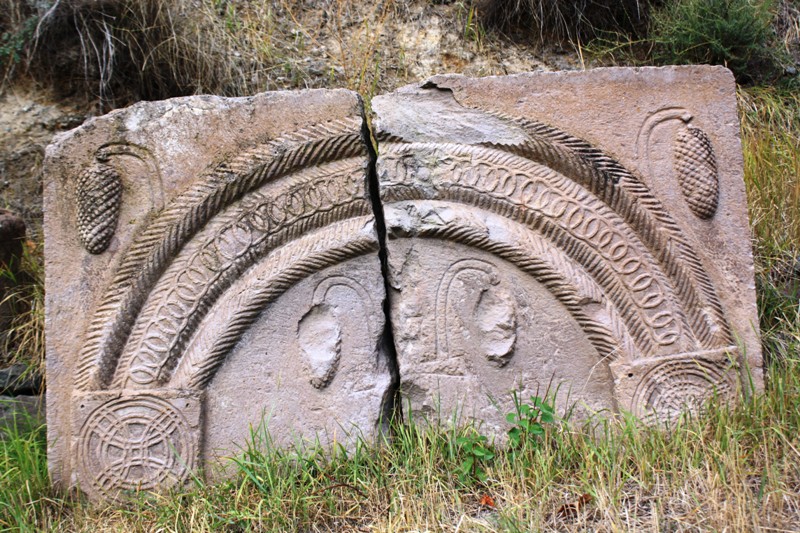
(579, 231)
(214, 260)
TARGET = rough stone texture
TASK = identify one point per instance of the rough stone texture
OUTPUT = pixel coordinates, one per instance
(212, 264)
(581, 231)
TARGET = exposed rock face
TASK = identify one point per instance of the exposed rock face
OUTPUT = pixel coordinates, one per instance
(564, 231)
(213, 264)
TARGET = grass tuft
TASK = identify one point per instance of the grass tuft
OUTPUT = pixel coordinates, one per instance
(562, 19)
(23, 300)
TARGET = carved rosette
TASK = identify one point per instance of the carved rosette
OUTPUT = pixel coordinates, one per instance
(696, 168)
(130, 443)
(685, 383)
(229, 245)
(99, 194)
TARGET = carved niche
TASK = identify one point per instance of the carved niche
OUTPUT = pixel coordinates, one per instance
(252, 296)
(609, 296)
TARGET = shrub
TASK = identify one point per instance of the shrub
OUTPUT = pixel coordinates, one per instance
(17, 24)
(733, 33)
(560, 19)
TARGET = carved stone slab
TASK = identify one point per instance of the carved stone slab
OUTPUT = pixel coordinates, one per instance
(582, 231)
(212, 265)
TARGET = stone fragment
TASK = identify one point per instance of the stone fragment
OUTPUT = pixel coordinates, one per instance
(12, 238)
(583, 233)
(212, 267)
(21, 412)
(19, 379)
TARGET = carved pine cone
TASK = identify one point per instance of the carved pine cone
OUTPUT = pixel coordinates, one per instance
(696, 167)
(99, 194)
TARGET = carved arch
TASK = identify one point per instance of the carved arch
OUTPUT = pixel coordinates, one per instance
(514, 184)
(630, 257)
(173, 227)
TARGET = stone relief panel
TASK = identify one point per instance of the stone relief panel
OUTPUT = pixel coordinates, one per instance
(574, 216)
(226, 258)
(140, 442)
(249, 205)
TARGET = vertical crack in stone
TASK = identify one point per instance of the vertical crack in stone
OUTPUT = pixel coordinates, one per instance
(391, 406)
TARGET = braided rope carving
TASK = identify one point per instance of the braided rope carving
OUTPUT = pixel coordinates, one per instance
(627, 196)
(266, 282)
(633, 201)
(177, 305)
(158, 243)
(640, 293)
(581, 294)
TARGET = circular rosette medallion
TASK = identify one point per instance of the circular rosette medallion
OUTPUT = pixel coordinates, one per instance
(139, 443)
(681, 386)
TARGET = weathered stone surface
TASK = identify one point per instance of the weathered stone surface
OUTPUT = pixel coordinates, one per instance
(585, 231)
(212, 264)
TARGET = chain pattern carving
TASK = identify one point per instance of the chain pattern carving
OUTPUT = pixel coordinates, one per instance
(237, 309)
(156, 246)
(557, 207)
(541, 259)
(630, 199)
(627, 196)
(239, 236)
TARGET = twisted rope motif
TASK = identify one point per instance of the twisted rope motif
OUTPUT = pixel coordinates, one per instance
(177, 318)
(266, 282)
(633, 201)
(158, 243)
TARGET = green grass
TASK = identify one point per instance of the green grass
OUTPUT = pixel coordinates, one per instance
(770, 133)
(736, 468)
(24, 483)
